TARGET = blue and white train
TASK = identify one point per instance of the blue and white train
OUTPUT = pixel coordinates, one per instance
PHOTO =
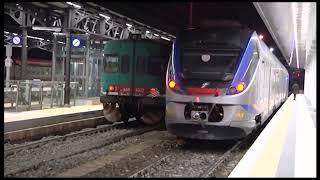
(221, 84)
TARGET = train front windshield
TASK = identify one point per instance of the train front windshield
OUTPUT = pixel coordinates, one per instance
(211, 55)
(213, 65)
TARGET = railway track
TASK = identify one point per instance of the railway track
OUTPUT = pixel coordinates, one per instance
(9, 151)
(220, 161)
(131, 124)
(209, 158)
(145, 171)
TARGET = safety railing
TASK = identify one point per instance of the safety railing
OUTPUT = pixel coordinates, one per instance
(36, 94)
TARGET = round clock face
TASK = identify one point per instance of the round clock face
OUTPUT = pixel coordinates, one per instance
(16, 40)
(76, 42)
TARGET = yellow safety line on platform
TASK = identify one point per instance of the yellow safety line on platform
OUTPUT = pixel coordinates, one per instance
(267, 163)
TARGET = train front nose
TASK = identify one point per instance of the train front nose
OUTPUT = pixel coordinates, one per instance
(197, 123)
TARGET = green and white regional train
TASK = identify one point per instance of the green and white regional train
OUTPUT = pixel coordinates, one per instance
(133, 80)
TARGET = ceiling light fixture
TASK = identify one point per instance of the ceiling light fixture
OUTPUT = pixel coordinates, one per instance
(74, 5)
(165, 38)
(35, 37)
(39, 28)
(105, 16)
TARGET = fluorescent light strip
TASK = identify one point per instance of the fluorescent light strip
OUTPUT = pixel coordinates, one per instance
(156, 35)
(294, 12)
(305, 19)
(56, 29)
(6, 32)
(291, 55)
(15, 34)
(58, 33)
(129, 25)
(74, 5)
(35, 37)
(165, 38)
(105, 16)
(147, 31)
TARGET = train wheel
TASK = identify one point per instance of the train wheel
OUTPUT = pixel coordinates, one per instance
(111, 112)
(125, 117)
(138, 118)
(152, 117)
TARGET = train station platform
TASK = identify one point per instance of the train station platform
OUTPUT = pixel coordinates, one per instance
(287, 145)
(28, 119)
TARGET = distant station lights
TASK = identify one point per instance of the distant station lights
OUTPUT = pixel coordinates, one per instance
(74, 5)
(260, 37)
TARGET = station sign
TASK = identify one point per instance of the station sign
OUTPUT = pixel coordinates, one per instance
(16, 40)
(75, 42)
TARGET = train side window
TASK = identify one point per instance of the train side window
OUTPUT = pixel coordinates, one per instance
(141, 64)
(111, 63)
(155, 65)
(125, 63)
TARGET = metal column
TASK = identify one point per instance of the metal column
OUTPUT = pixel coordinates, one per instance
(67, 69)
(24, 54)
(8, 62)
(68, 58)
(54, 58)
(86, 87)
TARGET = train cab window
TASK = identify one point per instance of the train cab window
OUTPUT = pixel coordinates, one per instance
(141, 65)
(155, 66)
(125, 63)
(111, 64)
(203, 64)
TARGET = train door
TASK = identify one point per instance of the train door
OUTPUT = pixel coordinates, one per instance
(118, 59)
(264, 86)
(268, 70)
(150, 68)
(271, 86)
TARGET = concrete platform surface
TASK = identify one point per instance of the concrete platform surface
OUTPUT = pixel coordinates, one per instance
(287, 145)
(26, 115)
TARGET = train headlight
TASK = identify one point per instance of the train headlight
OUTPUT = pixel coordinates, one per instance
(240, 86)
(172, 84)
(111, 88)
